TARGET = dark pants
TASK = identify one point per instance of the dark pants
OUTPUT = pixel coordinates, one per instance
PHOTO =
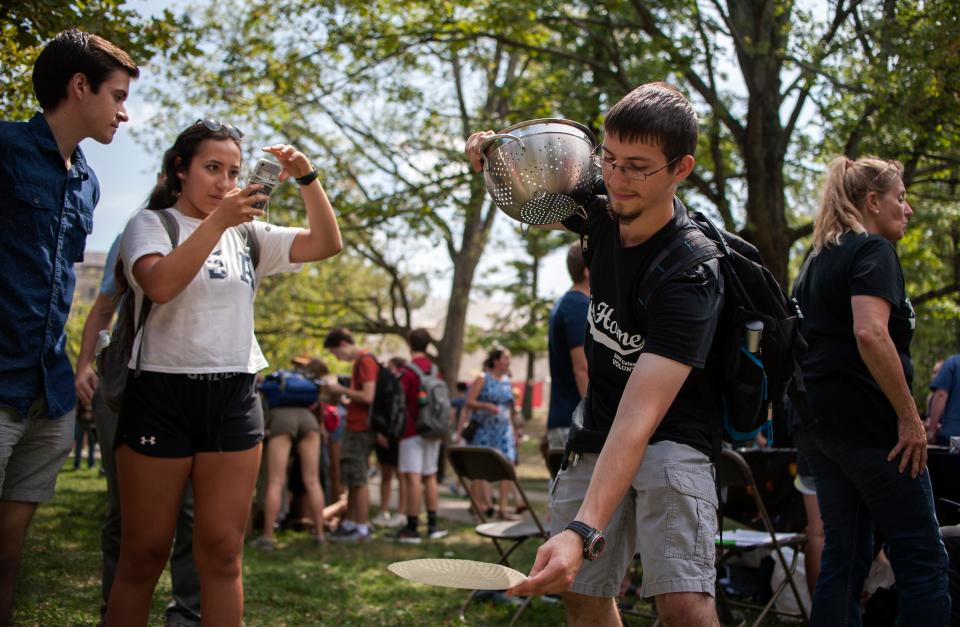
(81, 429)
(858, 488)
(185, 607)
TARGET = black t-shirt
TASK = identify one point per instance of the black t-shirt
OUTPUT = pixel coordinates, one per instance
(678, 323)
(842, 394)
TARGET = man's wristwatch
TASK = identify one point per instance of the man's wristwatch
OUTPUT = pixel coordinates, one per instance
(593, 539)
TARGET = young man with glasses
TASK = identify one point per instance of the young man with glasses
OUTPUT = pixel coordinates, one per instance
(638, 476)
(48, 194)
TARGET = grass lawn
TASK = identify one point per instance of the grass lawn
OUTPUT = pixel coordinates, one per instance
(299, 584)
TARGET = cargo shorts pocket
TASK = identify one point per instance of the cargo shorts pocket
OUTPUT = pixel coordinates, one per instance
(691, 521)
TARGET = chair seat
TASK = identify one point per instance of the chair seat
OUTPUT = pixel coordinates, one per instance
(508, 529)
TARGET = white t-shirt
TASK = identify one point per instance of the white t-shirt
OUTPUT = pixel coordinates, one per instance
(208, 327)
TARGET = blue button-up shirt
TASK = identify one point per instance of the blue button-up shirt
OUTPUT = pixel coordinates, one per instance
(46, 213)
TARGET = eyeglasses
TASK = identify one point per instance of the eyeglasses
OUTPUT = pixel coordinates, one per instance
(631, 172)
(215, 125)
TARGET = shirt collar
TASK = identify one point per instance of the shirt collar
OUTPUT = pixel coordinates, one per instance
(47, 143)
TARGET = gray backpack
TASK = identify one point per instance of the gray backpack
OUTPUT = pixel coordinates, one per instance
(112, 362)
(433, 418)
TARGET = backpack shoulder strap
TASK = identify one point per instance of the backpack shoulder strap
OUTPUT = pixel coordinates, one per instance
(687, 249)
(416, 370)
(250, 238)
(172, 227)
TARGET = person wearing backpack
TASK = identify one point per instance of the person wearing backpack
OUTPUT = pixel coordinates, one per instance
(423, 388)
(643, 482)
(190, 410)
(359, 439)
(868, 447)
(291, 423)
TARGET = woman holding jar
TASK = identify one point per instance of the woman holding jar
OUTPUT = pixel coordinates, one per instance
(190, 412)
(866, 446)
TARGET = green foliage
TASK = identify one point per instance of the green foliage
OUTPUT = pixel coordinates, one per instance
(900, 101)
(78, 315)
(523, 326)
(27, 25)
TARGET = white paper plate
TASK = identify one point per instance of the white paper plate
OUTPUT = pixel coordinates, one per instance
(452, 573)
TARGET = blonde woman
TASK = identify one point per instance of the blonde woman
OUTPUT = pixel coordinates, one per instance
(867, 449)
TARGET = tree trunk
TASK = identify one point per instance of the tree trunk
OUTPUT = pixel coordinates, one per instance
(477, 223)
(762, 26)
(531, 355)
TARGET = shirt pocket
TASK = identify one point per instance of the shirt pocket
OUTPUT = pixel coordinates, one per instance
(691, 513)
(37, 197)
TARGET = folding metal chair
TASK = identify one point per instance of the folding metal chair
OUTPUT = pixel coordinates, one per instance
(477, 463)
(733, 471)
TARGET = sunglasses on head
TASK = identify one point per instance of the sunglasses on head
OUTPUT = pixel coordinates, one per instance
(215, 125)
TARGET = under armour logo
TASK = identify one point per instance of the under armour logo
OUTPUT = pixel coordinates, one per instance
(145, 440)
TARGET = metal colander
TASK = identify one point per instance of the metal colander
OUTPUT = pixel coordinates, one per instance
(532, 169)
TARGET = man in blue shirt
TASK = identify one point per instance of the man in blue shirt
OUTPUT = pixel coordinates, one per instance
(568, 362)
(47, 196)
(945, 404)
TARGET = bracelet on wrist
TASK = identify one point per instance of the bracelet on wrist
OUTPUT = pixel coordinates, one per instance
(308, 178)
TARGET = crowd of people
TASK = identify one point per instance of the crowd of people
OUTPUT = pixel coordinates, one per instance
(634, 398)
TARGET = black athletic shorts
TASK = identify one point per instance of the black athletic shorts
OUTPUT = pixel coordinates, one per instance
(389, 455)
(179, 415)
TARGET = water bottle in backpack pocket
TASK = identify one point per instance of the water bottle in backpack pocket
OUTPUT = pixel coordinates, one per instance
(746, 394)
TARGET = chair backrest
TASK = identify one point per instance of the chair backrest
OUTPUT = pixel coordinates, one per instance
(733, 470)
(480, 462)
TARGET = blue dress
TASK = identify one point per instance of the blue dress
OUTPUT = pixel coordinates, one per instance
(495, 429)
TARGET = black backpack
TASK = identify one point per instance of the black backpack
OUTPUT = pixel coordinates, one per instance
(113, 360)
(388, 411)
(752, 380)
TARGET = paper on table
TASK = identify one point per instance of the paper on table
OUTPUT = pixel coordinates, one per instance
(747, 537)
(453, 573)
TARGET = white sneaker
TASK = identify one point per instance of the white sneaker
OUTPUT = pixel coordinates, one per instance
(388, 520)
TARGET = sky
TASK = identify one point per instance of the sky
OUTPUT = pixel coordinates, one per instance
(127, 171)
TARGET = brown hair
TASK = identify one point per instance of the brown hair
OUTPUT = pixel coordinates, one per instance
(337, 336)
(178, 158)
(493, 355)
(69, 53)
(655, 113)
(419, 340)
(844, 197)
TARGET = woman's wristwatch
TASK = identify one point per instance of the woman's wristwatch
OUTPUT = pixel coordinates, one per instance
(306, 179)
(593, 539)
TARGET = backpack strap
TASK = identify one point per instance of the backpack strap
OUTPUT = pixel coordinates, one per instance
(253, 244)
(172, 227)
(688, 248)
(417, 371)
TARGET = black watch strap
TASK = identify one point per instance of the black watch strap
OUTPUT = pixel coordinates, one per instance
(306, 179)
(593, 539)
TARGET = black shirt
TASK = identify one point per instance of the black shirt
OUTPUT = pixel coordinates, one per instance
(678, 323)
(842, 394)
